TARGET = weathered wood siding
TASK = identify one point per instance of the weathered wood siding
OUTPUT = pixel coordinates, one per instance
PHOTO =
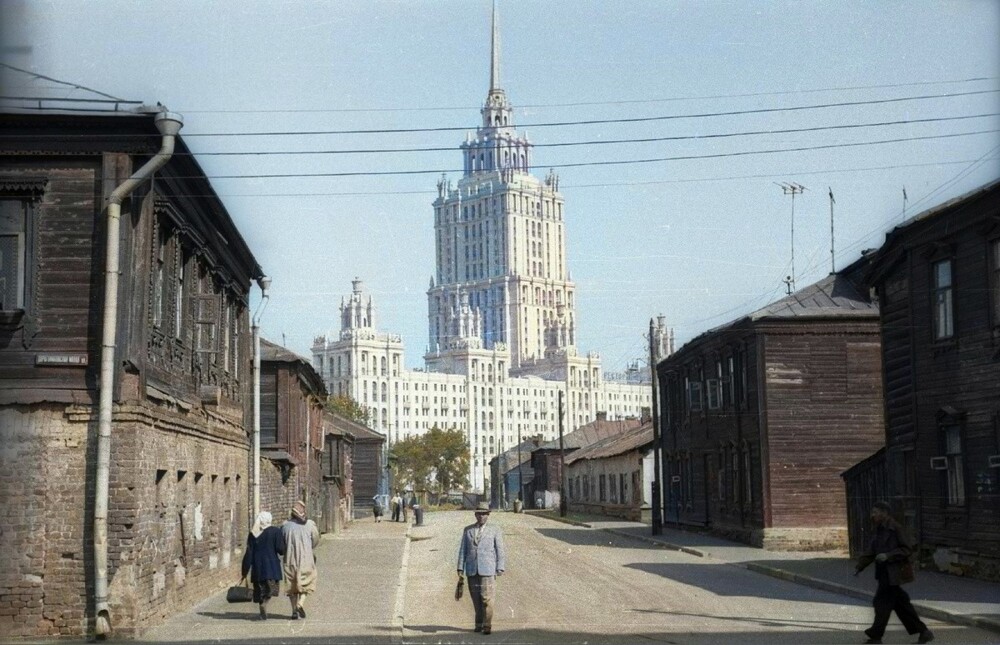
(824, 414)
(932, 382)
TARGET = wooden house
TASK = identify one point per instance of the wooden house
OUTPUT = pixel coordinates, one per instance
(547, 459)
(613, 476)
(337, 483)
(292, 397)
(125, 371)
(761, 415)
(938, 283)
(369, 473)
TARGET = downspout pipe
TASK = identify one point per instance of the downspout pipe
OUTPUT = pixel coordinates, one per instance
(169, 124)
(264, 283)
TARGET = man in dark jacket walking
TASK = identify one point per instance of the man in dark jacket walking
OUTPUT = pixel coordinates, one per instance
(890, 550)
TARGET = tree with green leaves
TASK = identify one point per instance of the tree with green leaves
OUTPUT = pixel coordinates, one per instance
(437, 460)
(345, 406)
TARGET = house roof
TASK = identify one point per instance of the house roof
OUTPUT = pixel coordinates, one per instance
(591, 433)
(274, 353)
(360, 432)
(632, 439)
(834, 296)
(837, 297)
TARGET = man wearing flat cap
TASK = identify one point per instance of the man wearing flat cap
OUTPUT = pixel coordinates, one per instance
(481, 558)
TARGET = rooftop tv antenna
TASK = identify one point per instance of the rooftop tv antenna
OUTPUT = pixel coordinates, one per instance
(793, 190)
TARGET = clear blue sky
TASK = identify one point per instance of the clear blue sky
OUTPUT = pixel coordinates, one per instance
(699, 240)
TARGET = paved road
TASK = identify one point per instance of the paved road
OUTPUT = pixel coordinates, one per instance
(565, 584)
(568, 584)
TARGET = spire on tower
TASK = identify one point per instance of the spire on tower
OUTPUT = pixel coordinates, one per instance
(495, 53)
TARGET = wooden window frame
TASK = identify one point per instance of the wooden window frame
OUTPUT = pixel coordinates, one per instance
(939, 291)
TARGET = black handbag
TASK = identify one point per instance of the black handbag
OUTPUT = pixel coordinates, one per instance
(240, 593)
(459, 588)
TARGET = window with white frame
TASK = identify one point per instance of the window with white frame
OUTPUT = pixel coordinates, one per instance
(694, 395)
(944, 307)
(953, 456)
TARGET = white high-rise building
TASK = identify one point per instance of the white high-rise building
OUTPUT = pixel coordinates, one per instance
(501, 314)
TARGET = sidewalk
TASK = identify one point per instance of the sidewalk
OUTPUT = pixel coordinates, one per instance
(367, 610)
(964, 601)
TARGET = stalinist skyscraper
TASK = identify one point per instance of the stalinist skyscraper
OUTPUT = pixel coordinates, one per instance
(501, 244)
(501, 314)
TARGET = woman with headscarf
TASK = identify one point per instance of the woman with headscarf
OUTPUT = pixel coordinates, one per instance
(265, 544)
(301, 537)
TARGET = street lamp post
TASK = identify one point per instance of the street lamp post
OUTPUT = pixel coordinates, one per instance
(264, 283)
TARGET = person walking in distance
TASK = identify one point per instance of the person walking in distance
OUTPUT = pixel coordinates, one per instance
(481, 558)
(397, 501)
(301, 537)
(890, 550)
(265, 545)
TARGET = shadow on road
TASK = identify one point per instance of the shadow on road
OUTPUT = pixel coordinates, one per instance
(585, 537)
(723, 580)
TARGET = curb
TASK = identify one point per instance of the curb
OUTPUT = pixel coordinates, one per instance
(929, 611)
(399, 608)
(667, 545)
(561, 520)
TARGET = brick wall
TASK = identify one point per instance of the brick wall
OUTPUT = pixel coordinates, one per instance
(177, 519)
(45, 510)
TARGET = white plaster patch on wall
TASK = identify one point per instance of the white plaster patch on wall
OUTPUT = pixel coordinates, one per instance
(180, 574)
(199, 521)
(159, 583)
(213, 561)
(226, 557)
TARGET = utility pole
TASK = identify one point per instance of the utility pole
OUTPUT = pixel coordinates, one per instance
(562, 461)
(793, 190)
(657, 495)
(833, 264)
(520, 477)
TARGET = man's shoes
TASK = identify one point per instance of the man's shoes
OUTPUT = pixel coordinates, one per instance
(478, 628)
(302, 611)
(295, 615)
(487, 631)
(263, 613)
(926, 636)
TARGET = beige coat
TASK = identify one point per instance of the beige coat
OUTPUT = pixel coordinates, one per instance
(300, 563)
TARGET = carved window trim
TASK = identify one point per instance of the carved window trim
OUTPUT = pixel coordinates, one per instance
(29, 191)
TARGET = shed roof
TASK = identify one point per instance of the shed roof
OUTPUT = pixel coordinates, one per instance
(632, 439)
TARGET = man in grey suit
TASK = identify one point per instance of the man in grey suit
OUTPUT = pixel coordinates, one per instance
(481, 558)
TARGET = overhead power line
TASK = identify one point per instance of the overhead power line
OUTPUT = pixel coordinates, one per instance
(672, 99)
(587, 122)
(643, 119)
(438, 171)
(600, 142)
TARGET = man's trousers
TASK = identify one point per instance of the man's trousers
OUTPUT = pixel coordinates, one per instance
(481, 590)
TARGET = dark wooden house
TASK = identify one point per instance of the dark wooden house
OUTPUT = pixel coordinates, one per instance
(938, 283)
(759, 417)
(369, 466)
(292, 397)
(337, 484)
(154, 483)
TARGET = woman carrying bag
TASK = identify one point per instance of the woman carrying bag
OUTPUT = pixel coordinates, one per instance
(265, 546)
